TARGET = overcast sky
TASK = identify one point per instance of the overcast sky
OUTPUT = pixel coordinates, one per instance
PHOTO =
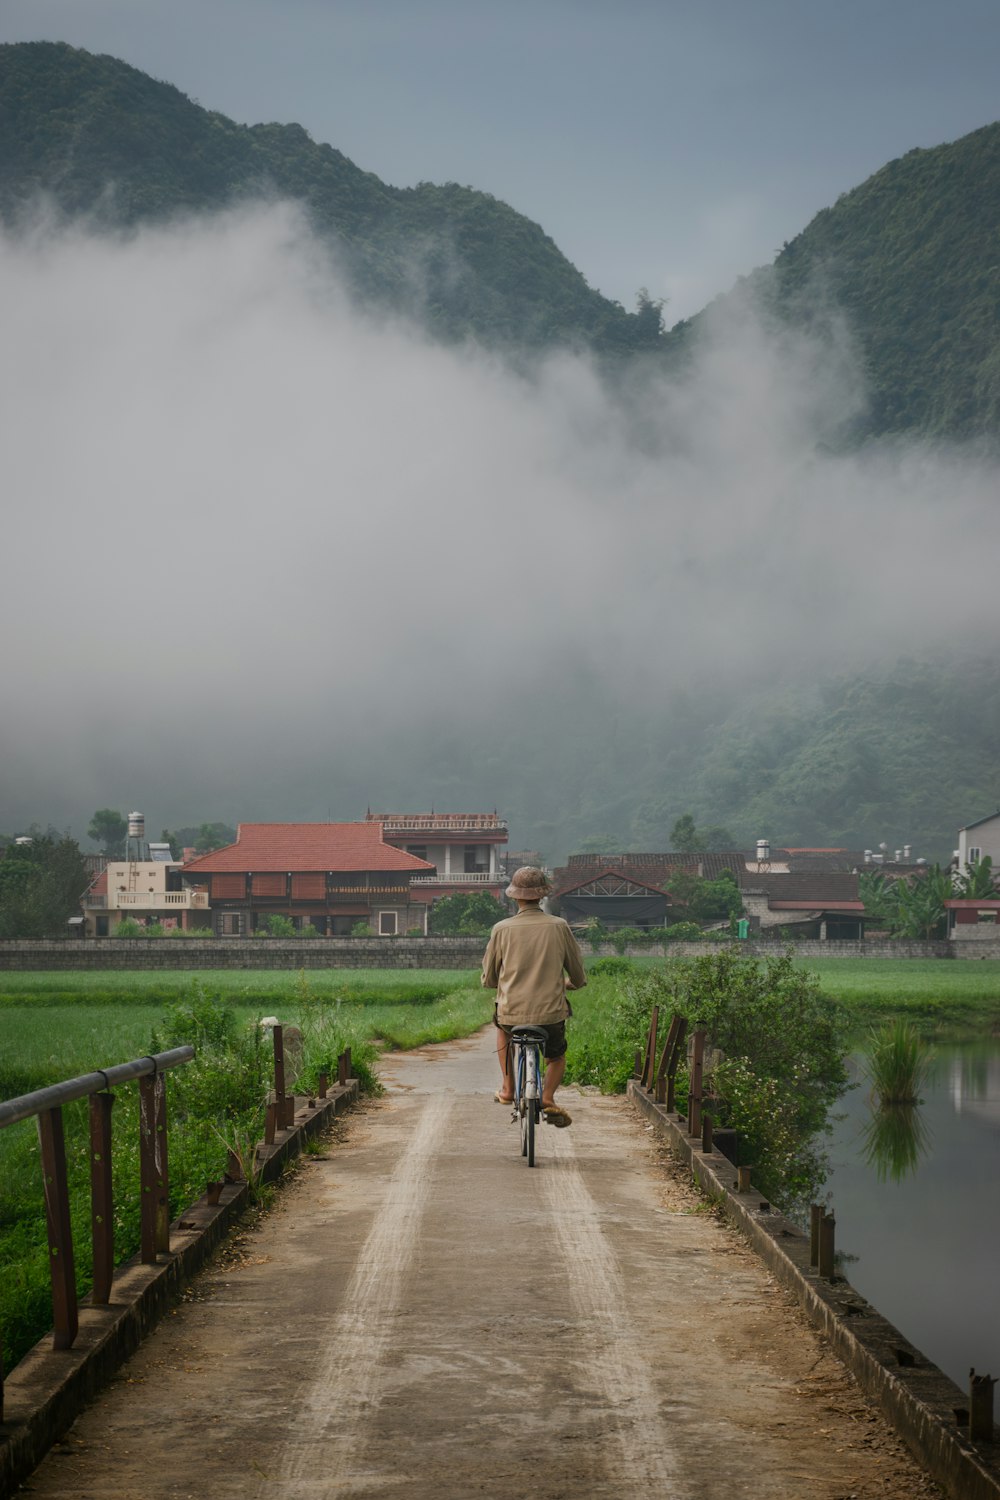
(672, 144)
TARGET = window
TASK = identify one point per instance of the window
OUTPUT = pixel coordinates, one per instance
(419, 851)
(387, 924)
(974, 855)
(477, 858)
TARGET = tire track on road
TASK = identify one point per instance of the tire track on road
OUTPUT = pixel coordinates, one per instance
(646, 1460)
(326, 1457)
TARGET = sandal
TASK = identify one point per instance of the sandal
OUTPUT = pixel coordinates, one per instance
(554, 1115)
(499, 1099)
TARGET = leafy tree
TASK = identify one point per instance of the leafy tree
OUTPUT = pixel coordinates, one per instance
(978, 881)
(878, 895)
(707, 900)
(466, 915)
(204, 837)
(40, 886)
(684, 835)
(109, 829)
(920, 910)
(649, 317)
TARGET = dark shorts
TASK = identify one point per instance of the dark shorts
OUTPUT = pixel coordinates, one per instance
(555, 1043)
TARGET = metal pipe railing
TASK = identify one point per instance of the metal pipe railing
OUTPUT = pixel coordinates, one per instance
(46, 1104)
(12, 1110)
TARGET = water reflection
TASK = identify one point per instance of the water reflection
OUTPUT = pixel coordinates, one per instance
(926, 1241)
(894, 1140)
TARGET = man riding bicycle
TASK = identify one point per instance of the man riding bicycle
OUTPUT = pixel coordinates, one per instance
(531, 960)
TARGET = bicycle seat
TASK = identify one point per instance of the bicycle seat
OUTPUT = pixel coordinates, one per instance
(529, 1033)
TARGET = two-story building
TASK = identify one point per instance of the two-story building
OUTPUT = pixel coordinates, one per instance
(330, 876)
(149, 890)
(465, 849)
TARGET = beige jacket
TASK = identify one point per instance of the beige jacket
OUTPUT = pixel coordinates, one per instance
(525, 961)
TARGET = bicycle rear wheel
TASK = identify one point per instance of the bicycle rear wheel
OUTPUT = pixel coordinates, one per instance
(529, 1130)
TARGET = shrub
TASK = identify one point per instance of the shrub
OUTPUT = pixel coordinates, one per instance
(615, 967)
(783, 1054)
(128, 927)
(683, 932)
(277, 926)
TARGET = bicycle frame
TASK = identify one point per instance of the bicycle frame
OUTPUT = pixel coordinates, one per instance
(527, 1073)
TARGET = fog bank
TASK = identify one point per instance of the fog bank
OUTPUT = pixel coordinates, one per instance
(267, 557)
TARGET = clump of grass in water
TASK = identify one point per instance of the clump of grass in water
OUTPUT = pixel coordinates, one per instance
(897, 1063)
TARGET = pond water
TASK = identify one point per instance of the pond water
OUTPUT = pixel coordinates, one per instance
(927, 1244)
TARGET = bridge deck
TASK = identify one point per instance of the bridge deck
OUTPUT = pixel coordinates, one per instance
(424, 1316)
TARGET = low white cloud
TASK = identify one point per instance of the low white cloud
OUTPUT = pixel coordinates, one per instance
(250, 532)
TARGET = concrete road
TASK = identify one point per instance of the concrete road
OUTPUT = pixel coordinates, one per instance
(424, 1316)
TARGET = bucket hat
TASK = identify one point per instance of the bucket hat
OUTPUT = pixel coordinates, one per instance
(528, 884)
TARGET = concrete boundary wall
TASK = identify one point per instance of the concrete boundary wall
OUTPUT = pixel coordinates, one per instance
(394, 953)
(916, 1397)
(48, 1389)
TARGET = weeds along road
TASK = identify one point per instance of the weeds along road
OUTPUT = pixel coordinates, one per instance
(424, 1316)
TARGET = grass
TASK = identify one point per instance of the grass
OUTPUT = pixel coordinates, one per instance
(266, 988)
(897, 1060)
(939, 997)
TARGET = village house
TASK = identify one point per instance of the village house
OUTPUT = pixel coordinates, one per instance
(805, 891)
(145, 884)
(976, 841)
(466, 850)
(330, 876)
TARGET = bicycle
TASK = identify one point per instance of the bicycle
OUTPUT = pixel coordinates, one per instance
(527, 1070)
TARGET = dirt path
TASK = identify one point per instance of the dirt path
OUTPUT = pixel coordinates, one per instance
(424, 1316)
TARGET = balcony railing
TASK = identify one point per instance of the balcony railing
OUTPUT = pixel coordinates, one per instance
(450, 822)
(151, 901)
(461, 877)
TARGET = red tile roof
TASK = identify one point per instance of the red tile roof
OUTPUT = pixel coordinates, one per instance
(307, 846)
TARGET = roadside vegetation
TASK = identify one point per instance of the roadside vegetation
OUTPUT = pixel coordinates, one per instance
(59, 1026)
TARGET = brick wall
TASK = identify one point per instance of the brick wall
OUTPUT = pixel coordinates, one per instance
(244, 953)
(390, 953)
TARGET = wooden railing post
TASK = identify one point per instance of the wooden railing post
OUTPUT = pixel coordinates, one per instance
(649, 1060)
(279, 1075)
(65, 1316)
(154, 1219)
(694, 1082)
(101, 1205)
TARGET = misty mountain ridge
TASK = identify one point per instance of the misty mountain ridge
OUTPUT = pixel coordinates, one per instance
(908, 257)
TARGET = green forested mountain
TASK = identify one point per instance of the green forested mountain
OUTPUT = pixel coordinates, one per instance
(909, 257)
(100, 138)
(909, 261)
